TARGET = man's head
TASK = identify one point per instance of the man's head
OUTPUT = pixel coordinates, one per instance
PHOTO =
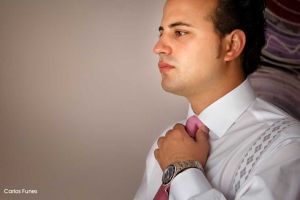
(199, 53)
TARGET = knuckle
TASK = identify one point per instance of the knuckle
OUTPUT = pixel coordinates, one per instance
(177, 125)
(168, 133)
(177, 134)
(160, 141)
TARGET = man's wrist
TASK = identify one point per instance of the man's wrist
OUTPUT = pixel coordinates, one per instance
(176, 168)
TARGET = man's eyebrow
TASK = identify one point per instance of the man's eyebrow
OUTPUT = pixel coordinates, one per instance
(178, 24)
(175, 24)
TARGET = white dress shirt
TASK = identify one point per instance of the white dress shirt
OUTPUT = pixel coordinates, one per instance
(235, 121)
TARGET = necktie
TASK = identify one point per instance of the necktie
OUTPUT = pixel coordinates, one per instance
(192, 125)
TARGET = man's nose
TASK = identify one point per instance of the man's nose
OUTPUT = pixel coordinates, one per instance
(162, 46)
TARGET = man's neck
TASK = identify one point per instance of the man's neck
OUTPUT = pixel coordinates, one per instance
(200, 102)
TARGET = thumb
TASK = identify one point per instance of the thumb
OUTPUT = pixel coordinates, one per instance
(202, 134)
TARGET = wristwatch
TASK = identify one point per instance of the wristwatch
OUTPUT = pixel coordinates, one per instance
(174, 169)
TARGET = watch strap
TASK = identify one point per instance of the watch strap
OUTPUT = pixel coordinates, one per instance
(181, 166)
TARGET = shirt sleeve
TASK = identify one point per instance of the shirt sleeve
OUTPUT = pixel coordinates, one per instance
(192, 183)
(144, 186)
(141, 193)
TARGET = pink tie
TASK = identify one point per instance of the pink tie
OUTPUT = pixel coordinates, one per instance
(192, 125)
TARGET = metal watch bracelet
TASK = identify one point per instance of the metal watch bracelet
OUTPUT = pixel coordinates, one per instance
(188, 164)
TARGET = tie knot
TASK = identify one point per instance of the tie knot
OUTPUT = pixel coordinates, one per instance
(192, 125)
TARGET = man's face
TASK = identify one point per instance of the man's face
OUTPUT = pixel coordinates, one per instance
(190, 51)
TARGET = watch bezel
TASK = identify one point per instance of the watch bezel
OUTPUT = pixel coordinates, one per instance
(167, 178)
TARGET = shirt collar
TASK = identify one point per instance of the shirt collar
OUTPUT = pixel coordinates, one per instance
(221, 115)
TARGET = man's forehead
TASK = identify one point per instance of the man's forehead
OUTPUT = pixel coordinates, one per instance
(186, 12)
(199, 5)
(178, 6)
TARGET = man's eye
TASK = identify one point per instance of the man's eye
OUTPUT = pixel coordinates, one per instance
(180, 33)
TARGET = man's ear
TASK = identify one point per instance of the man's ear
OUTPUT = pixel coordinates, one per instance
(235, 43)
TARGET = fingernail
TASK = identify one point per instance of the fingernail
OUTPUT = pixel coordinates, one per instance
(205, 129)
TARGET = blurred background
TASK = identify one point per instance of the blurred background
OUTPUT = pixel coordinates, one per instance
(80, 96)
(278, 81)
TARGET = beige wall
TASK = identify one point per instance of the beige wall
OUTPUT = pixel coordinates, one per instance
(80, 97)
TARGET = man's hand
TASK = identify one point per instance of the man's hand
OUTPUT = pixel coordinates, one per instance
(178, 146)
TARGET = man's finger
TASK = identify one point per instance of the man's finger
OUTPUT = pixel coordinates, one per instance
(202, 134)
(179, 126)
(168, 133)
(160, 141)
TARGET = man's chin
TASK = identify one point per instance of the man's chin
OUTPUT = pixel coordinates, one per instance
(171, 89)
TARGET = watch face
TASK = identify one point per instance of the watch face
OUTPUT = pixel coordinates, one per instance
(168, 174)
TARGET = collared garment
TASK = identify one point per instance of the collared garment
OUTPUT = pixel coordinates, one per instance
(236, 121)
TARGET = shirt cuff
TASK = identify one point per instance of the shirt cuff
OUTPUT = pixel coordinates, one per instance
(187, 184)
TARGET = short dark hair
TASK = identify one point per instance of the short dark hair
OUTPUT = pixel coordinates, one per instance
(247, 15)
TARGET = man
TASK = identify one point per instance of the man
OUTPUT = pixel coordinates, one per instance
(248, 148)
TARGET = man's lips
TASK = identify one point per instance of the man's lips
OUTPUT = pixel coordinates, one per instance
(164, 66)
